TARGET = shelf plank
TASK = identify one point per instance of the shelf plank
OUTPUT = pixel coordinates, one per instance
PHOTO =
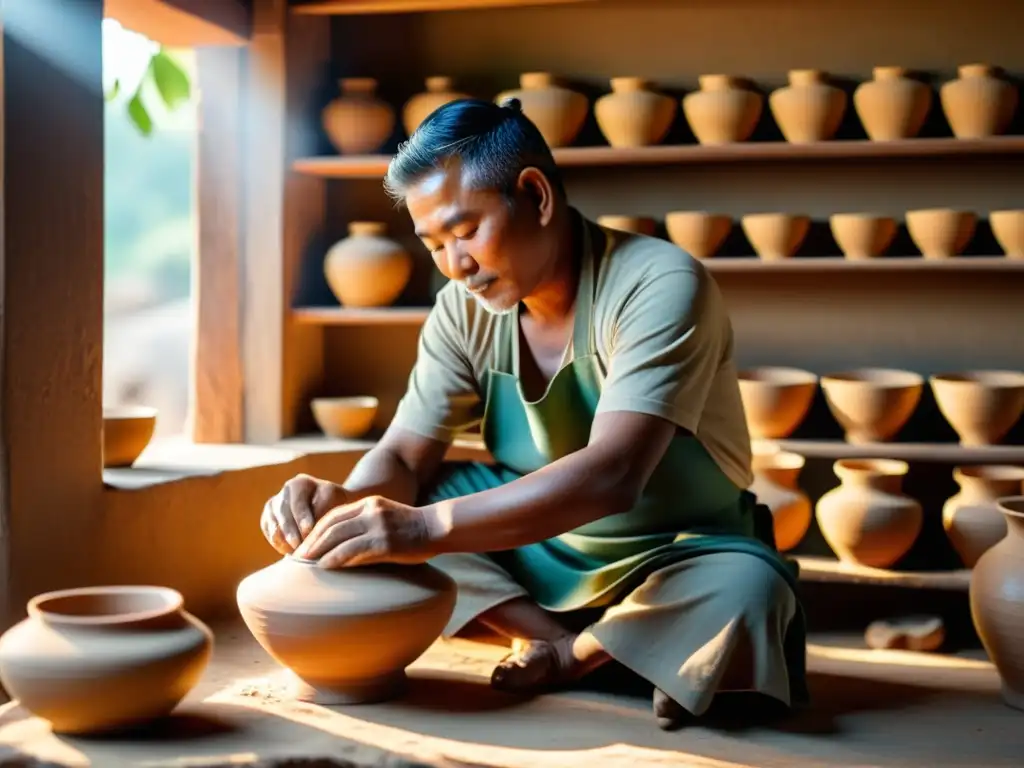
(824, 569)
(952, 453)
(956, 265)
(352, 7)
(347, 316)
(374, 166)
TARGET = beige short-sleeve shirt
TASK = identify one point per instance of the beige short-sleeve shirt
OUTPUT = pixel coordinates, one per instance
(663, 337)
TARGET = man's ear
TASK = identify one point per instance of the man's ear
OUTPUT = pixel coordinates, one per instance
(535, 187)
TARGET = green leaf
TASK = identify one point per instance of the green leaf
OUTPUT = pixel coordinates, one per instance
(139, 115)
(114, 91)
(171, 80)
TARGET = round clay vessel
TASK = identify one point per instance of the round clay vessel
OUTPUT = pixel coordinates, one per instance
(982, 406)
(699, 233)
(100, 659)
(558, 112)
(439, 91)
(346, 634)
(1008, 229)
(892, 106)
(776, 399)
(862, 235)
(127, 430)
(723, 111)
(941, 233)
(971, 517)
(357, 122)
(978, 103)
(775, 485)
(367, 269)
(640, 225)
(872, 404)
(867, 519)
(775, 236)
(997, 602)
(633, 114)
(808, 109)
(344, 417)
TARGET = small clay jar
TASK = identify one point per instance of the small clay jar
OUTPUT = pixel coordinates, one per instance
(1008, 230)
(723, 111)
(558, 112)
(439, 91)
(633, 114)
(357, 122)
(978, 103)
(775, 485)
(892, 106)
(367, 269)
(971, 517)
(941, 233)
(639, 225)
(808, 109)
(699, 233)
(862, 235)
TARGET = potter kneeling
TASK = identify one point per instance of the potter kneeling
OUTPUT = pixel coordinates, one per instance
(598, 366)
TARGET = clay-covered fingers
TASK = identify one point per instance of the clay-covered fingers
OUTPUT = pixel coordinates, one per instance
(333, 528)
(271, 531)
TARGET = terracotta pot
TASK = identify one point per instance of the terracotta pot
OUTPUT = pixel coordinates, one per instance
(633, 114)
(439, 91)
(357, 122)
(699, 233)
(978, 103)
(127, 430)
(347, 634)
(941, 233)
(101, 659)
(892, 106)
(862, 235)
(776, 400)
(808, 109)
(640, 225)
(867, 519)
(997, 602)
(367, 269)
(775, 236)
(723, 111)
(347, 418)
(775, 485)
(1008, 229)
(558, 112)
(872, 404)
(971, 518)
(982, 406)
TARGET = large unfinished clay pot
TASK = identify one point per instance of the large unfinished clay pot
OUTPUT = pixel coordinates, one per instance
(872, 404)
(979, 102)
(997, 602)
(862, 235)
(1008, 229)
(775, 236)
(347, 634)
(808, 108)
(776, 400)
(640, 225)
(367, 269)
(868, 519)
(971, 517)
(558, 112)
(699, 233)
(127, 430)
(633, 114)
(982, 406)
(725, 110)
(101, 659)
(941, 233)
(357, 122)
(775, 485)
(439, 91)
(892, 106)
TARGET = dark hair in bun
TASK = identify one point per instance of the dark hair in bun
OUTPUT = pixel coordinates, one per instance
(511, 102)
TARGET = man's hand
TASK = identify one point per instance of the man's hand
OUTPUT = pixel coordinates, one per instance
(291, 515)
(373, 530)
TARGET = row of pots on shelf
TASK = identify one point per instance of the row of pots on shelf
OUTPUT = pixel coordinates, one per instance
(725, 109)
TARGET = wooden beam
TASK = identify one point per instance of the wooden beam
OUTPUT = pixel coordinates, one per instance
(185, 23)
(349, 7)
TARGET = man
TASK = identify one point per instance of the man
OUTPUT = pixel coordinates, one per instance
(599, 367)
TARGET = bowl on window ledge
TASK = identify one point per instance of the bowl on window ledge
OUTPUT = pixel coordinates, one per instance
(345, 418)
(127, 430)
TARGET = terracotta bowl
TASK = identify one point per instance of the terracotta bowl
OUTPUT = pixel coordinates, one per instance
(776, 400)
(775, 235)
(127, 430)
(639, 225)
(941, 233)
(862, 235)
(345, 417)
(982, 406)
(1008, 229)
(699, 233)
(872, 404)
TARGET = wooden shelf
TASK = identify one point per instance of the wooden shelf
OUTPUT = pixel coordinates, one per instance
(954, 265)
(374, 166)
(351, 7)
(938, 452)
(346, 316)
(824, 569)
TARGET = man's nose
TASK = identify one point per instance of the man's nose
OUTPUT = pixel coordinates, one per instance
(460, 264)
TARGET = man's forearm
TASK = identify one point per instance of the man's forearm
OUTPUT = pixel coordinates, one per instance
(382, 472)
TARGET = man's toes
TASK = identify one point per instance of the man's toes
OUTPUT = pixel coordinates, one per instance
(669, 713)
(532, 668)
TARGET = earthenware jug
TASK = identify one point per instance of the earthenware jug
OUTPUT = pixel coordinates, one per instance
(634, 114)
(808, 108)
(971, 517)
(723, 111)
(439, 91)
(557, 111)
(357, 122)
(892, 105)
(367, 268)
(979, 102)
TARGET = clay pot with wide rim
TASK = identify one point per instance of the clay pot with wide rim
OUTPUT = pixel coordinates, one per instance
(357, 122)
(776, 399)
(558, 112)
(775, 485)
(347, 635)
(699, 233)
(638, 225)
(997, 602)
(633, 114)
(892, 106)
(971, 517)
(941, 233)
(347, 418)
(440, 90)
(808, 109)
(367, 268)
(867, 519)
(775, 236)
(101, 659)
(982, 406)
(127, 430)
(862, 235)
(725, 110)
(872, 404)
(1008, 229)
(979, 102)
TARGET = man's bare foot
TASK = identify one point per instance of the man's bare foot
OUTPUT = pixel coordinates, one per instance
(669, 713)
(544, 665)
